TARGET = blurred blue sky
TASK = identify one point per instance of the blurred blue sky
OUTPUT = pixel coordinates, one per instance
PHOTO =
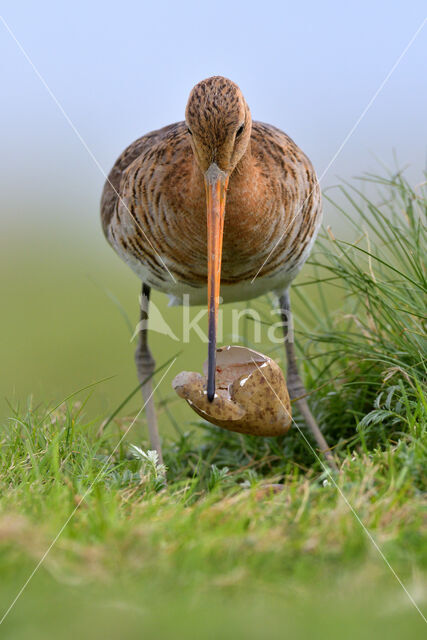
(123, 69)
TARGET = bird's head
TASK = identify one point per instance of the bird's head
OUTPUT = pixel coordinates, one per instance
(219, 125)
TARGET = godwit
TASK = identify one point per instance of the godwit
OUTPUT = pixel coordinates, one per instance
(164, 212)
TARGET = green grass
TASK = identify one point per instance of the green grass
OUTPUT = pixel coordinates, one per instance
(215, 552)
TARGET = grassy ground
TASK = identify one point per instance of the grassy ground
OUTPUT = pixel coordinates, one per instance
(216, 553)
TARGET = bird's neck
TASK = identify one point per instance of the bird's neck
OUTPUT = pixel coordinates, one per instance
(195, 197)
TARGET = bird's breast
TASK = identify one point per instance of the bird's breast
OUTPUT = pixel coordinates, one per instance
(271, 218)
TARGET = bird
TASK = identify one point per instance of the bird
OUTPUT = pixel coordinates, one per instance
(215, 205)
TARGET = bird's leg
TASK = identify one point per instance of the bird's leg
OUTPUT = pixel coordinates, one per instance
(145, 366)
(297, 391)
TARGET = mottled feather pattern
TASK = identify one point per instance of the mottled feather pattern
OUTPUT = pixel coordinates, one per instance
(155, 205)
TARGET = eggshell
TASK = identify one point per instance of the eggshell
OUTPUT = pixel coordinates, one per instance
(251, 394)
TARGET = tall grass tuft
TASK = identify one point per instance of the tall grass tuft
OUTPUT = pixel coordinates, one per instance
(367, 353)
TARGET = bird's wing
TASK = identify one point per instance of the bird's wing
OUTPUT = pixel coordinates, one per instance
(111, 192)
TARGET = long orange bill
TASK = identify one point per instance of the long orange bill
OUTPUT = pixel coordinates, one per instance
(216, 185)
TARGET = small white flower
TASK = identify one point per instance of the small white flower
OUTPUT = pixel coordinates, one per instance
(149, 461)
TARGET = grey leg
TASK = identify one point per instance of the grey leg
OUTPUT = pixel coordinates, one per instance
(145, 366)
(295, 385)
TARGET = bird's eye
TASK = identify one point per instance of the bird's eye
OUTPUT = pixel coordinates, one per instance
(240, 130)
(189, 131)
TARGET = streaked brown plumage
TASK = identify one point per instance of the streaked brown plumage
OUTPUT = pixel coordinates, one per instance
(154, 203)
(272, 197)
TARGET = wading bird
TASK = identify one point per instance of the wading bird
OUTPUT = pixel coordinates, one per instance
(217, 199)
